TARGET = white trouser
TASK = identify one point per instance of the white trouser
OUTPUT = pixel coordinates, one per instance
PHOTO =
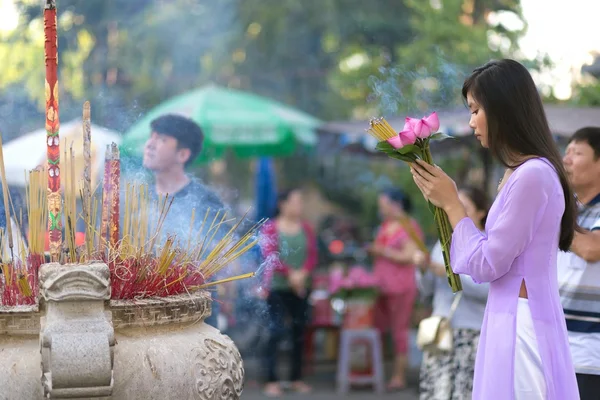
(530, 383)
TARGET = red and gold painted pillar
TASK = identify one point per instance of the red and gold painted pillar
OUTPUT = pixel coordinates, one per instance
(52, 126)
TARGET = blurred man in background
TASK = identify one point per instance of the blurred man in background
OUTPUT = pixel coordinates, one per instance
(175, 142)
(579, 269)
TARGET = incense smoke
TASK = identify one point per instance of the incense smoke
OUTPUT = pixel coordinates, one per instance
(400, 90)
(163, 43)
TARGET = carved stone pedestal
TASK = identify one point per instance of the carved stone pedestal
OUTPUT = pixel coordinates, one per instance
(77, 338)
(123, 350)
(170, 353)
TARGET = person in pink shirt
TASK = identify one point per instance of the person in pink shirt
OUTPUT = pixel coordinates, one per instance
(393, 253)
(289, 248)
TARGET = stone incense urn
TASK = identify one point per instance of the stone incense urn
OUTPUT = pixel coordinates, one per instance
(79, 344)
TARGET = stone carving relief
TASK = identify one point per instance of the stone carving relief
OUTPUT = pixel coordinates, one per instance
(77, 338)
(218, 369)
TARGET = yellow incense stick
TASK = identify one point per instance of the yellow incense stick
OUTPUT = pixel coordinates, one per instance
(6, 199)
(234, 278)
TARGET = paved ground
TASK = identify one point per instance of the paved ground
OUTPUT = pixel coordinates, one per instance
(328, 394)
(323, 382)
(323, 377)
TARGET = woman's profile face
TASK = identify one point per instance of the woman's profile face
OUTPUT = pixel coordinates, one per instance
(478, 121)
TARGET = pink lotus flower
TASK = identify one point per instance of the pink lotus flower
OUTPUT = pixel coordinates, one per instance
(405, 137)
(414, 129)
(424, 127)
(413, 124)
(432, 122)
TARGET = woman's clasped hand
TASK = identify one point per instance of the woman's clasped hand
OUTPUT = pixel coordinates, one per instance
(436, 186)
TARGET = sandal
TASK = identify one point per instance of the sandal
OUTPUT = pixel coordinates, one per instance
(273, 390)
(301, 387)
(396, 385)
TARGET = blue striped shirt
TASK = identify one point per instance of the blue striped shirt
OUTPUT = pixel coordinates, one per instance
(579, 284)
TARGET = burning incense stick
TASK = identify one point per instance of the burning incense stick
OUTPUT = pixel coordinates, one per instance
(52, 127)
(233, 278)
(115, 188)
(86, 197)
(105, 216)
(70, 209)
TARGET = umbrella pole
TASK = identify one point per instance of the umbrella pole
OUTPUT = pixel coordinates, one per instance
(52, 126)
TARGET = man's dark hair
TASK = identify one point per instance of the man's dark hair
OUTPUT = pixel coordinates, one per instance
(188, 133)
(589, 135)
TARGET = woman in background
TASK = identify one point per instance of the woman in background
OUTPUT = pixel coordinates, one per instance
(449, 376)
(393, 253)
(289, 248)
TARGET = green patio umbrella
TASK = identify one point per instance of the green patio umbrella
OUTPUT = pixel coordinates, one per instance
(248, 125)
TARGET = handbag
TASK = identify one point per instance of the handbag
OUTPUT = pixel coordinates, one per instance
(435, 332)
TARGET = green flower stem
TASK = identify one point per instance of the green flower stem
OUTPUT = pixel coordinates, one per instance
(444, 231)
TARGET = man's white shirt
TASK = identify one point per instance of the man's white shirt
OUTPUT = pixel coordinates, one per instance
(579, 285)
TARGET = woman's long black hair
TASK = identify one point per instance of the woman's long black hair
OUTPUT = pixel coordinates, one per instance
(517, 124)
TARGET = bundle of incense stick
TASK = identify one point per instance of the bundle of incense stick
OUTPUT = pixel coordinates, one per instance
(70, 205)
(382, 131)
(19, 281)
(115, 189)
(139, 271)
(137, 268)
(110, 230)
(37, 211)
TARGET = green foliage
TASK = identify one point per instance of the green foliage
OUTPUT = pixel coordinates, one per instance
(587, 95)
(124, 55)
(331, 58)
(440, 136)
(450, 38)
(406, 153)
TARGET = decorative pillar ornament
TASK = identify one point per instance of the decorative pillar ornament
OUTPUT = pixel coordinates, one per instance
(52, 127)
